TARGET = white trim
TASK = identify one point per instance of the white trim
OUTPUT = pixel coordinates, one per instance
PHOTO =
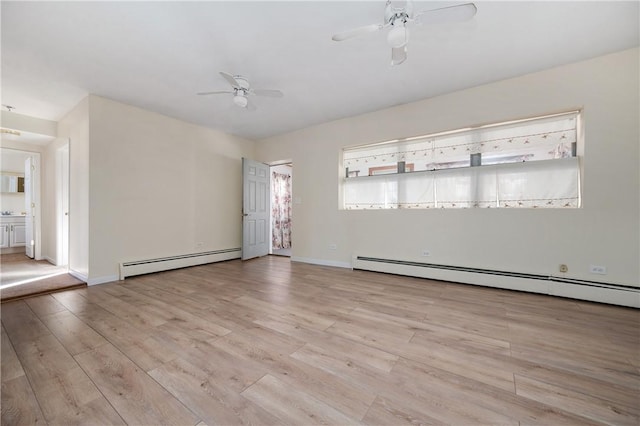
(596, 294)
(78, 275)
(102, 280)
(322, 262)
(139, 267)
(50, 260)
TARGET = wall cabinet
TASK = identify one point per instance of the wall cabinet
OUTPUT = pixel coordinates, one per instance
(12, 232)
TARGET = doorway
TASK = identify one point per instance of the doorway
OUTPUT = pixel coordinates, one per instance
(21, 203)
(281, 180)
(41, 262)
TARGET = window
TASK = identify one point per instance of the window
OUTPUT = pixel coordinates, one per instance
(523, 163)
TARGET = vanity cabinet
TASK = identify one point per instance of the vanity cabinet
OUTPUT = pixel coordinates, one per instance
(12, 232)
(4, 236)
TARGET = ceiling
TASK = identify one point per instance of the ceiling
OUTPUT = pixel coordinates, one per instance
(157, 55)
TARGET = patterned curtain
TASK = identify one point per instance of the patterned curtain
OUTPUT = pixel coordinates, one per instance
(281, 210)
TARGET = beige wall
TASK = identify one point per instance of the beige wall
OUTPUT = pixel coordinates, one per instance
(75, 127)
(26, 123)
(50, 200)
(159, 187)
(604, 232)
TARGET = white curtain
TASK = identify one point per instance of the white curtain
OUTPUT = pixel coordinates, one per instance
(536, 184)
(466, 187)
(371, 192)
(540, 184)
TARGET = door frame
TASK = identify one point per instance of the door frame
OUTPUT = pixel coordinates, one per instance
(62, 194)
(36, 199)
(271, 165)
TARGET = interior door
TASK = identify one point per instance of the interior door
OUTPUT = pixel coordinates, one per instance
(255, 209)
(29, 207)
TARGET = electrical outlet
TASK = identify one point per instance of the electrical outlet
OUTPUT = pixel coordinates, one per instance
(426, 253)
(563, 268)
(596, 269)
(333, 246)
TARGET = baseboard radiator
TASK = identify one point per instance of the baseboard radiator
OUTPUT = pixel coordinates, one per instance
(544, 284)
(139, 267)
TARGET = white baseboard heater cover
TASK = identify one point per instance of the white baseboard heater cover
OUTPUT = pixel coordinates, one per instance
(551, 285)
(128, 269)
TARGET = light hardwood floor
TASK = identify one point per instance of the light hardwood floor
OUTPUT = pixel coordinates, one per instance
(273, 342)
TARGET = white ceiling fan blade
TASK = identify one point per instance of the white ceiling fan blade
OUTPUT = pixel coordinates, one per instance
(443, 15)
(232, 81)
(214, 93)
(398, 55)
(409, 7)
(356, 32)
(250, 106)
(268, 92)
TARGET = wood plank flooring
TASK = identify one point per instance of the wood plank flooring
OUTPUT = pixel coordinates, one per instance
(268, 342)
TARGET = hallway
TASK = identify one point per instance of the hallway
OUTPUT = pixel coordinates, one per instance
(21, 276)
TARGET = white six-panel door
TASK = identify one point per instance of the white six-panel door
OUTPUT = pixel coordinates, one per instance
(255, 209)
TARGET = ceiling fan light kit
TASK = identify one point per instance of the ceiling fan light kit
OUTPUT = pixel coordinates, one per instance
(397, 20)
(398, 36)
(241, 101)
(241, 89)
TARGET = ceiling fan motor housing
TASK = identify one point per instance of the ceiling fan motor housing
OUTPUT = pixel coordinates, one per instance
(242, 82)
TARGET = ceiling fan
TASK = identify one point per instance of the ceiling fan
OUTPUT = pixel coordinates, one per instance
(241, 89)
(397, 20)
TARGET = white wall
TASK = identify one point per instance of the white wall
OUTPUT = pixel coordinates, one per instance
(604, 232)
(75, 127)
(159, 187)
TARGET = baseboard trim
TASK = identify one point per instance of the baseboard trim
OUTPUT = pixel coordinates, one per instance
(78, 275)
(321, 262)
(102, 280)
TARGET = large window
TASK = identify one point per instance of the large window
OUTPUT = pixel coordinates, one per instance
(524, 163)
